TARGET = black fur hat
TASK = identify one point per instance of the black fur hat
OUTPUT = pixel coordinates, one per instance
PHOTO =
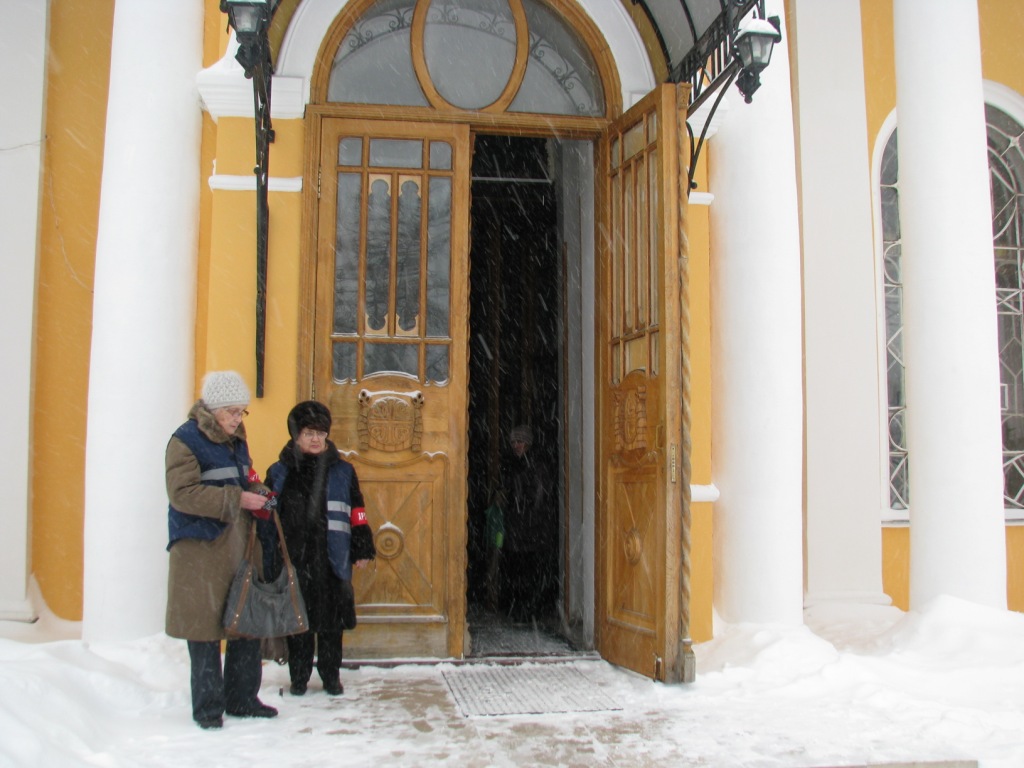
(309, 414)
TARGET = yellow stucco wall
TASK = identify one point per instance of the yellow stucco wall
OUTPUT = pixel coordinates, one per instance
(1015, 567)
(1001, 23)
(225, 339)
(78, 67)
(699, 305)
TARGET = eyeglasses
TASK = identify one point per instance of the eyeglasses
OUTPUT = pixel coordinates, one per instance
(236, 413)
(309, 434)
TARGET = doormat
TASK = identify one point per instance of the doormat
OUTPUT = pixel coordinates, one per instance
(482, 691)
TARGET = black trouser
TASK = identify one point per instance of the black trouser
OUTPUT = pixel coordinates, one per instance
(328, 656)
(237, 689)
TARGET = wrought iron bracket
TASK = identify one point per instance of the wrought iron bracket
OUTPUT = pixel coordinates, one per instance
(253, 22)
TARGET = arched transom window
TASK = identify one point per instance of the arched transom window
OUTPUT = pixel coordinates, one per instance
(1006, 175)
(489, 55)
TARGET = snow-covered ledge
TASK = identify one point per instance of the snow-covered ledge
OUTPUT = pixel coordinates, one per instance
(227, 93)
(236, 183)
(699, 118)
(704, 493)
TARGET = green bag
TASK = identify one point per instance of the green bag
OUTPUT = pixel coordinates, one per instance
(494, 530)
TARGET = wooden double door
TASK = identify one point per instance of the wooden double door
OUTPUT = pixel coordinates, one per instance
(389, 335)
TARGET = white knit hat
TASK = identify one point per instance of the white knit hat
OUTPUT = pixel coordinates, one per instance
(224, 389)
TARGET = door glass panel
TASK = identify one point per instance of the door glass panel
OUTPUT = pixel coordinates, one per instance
(636, 354)
(407, 297)
(437, 363)
(561, 75)
(396, 153)
(378, 255)
(373, 64)
(652, 233)
(392, 257)
(344, 363)
(635, 247)
(629, 252)
(350, 151)
(616, 255)
(374, 61)
(440, 156)
(391, 358)
(459, 36)
(644, 244)
(346, 253)
(633, 141)
(439, 256)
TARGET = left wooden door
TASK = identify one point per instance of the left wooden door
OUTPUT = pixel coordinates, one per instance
(390, 360)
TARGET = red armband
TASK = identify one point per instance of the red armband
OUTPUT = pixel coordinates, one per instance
(359, 516)
(254, 476)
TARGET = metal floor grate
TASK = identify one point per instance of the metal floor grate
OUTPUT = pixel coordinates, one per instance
(521, 690)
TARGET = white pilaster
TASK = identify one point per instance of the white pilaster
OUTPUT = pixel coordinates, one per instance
(22, 132)
(844, 463)
(957, 535)
(757, 437)
(141, 368)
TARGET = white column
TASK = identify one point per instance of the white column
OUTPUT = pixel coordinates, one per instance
(22, 132)
(844, 440)
(957, 536)
(141, 365)
(757, 433)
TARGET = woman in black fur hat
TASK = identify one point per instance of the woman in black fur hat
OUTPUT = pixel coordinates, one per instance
(326, 531)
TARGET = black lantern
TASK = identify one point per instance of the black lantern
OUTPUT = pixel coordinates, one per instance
(753, 47)
(738, 53)
(251, 20)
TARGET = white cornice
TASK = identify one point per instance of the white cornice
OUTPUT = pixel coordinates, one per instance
(226, 93)
(699, 118)
(234, 183)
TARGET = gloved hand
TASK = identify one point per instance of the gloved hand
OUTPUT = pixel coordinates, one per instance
(268, 508)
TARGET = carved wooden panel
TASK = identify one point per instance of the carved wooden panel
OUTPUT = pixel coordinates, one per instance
(633, 555)
(390, 421)
(631, 416)
(406, 508)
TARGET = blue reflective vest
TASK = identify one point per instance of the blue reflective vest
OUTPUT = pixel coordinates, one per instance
(220, 464)
(339, 512)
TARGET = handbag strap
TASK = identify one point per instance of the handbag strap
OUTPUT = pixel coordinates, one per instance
(280, 540)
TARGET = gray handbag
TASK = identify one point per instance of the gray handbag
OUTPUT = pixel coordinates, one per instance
(260, 609)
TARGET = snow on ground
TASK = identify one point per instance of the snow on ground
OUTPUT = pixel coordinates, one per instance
(856, 685)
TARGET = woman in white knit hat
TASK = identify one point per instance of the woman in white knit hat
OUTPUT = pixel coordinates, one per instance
(213, 498)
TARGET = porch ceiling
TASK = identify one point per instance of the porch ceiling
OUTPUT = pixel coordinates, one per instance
(681, 35)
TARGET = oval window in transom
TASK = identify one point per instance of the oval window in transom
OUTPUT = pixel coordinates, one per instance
(485, 55)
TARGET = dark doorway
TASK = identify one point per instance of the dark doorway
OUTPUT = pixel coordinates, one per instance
(513, 382)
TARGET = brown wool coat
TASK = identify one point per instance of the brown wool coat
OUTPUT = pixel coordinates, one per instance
(201, 571)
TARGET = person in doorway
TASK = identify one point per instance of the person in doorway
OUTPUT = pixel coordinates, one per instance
(213, 501)
(325, 529)
(527, 565)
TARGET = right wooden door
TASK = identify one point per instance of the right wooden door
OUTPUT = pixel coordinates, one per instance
(640, 596)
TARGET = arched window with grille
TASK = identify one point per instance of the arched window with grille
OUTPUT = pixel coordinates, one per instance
(1006, 177)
